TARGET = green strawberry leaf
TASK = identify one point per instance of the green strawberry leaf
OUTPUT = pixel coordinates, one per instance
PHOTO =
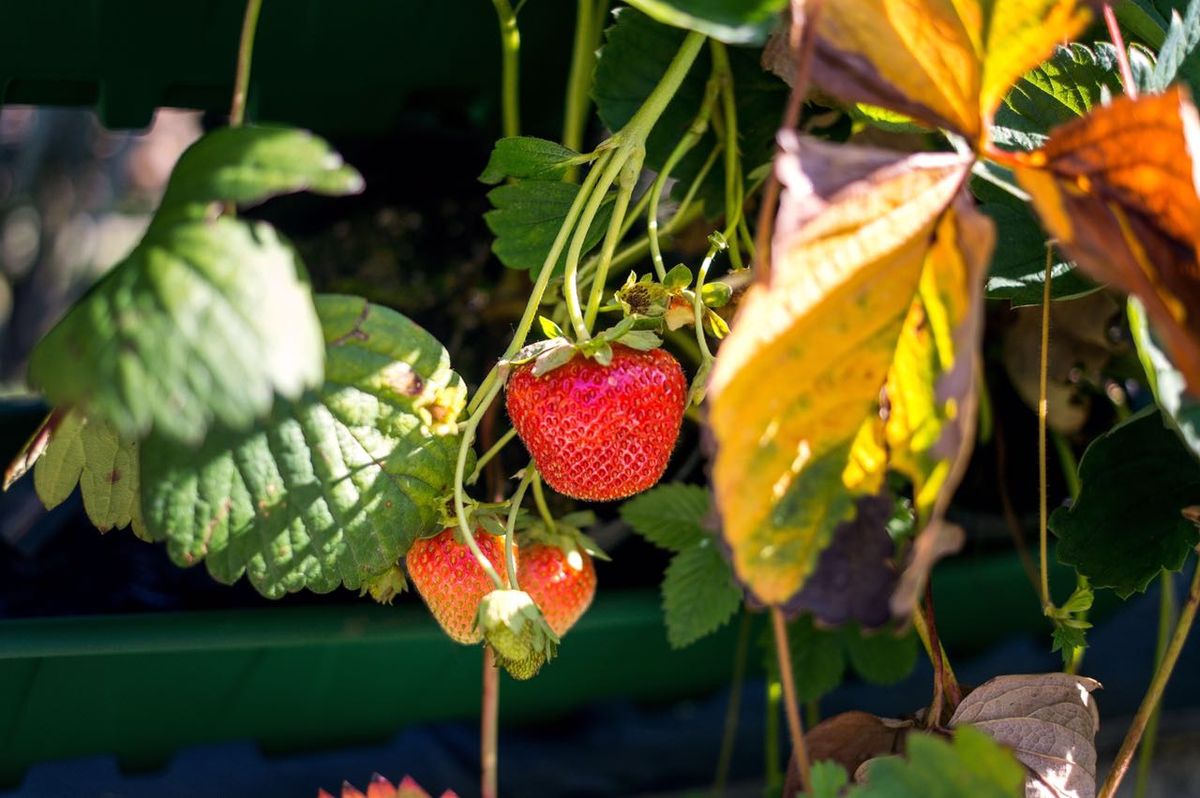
(526, 217)
(729, 21)
(1128, 524)
(1177, 58)
(87, 452)
(528, 157)
(1167, 382)
(1067, 85)
(203, 321)
(1018, 268)
(882, 657)
(631, 63)
(250, 164)
(827, 780)
(818, 658)
(669, 516)
(330, 489)
(699, 593)
(972, 765)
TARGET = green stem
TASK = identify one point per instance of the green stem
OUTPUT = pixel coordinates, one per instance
(570, 275)
(628, 181)
(1068, 463)
(588, 16)
(510, 529)
(510, 66)
(539, 498)
(241, 80)
(734, 197)
(460, 510)
(496, 448)
(694, 133)
(698, 301)
(734, 710)
(1043, 562)
(774, 775)
(1155, 691)
(1166, 616)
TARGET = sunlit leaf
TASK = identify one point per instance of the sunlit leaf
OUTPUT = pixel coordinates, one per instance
(1167, 383)
(88, 453)
(205, 320)
(730, 21)
(330, 489)
(1128, 522)
(527, 157)
(250, 164)
(1117, 190)
(947, 64)
(1066, 85)
(855, 227)
(1177, 59)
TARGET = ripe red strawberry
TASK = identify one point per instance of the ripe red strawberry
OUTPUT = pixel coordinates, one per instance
(600, 432)
(448, 577)
(561, 583)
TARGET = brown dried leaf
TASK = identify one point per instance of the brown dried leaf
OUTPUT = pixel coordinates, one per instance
(852, 738)
(1050, 722)
(1117, 189)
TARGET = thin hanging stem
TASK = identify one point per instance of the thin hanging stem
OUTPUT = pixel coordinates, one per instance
(802, 38)
(734, 190)
(1166, 617)
(1043, 513)
(1114, 32)
(790, 705)
(510, 529)
(1154, 693)
(625, 185)
(933, 649)
(734, 710)
(945, 684)
(771, 763)
(588, 16)
(489, 725)
(510, 67)
(487, 456)
(241, 80)
(539, 499)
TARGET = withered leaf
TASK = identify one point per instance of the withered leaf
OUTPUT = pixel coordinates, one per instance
(1050, 722)
(1117, 189)
(853, 236)
(852, 738)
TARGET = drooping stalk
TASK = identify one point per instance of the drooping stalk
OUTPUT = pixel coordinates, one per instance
(1043, 512)
(489, 725)
(510, 529)
(510, 67)
(1155, 691)
(790, 705)
(241, 80)
(1166, 616)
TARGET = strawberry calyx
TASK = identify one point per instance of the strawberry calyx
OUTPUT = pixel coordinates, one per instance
(384, 587)
(517, 632)
(670, 304)
(557, 350)
(566, 534)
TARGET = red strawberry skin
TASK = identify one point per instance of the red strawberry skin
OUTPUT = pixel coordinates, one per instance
(562, 584)
(446, 574)
(597, 432)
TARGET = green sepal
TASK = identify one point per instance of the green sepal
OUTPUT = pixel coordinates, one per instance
(716, 295)
(517, 632)
(679, 277)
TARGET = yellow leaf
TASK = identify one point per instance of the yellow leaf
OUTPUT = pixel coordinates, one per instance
(1117, 189)
(930, 389)
(948, 63)
(86, 451)
(812, 346)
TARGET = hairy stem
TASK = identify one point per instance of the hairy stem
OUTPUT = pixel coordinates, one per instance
(1166, 616)
(1043, 513)
(460, 510)
(241, 80)
(1154, 693)
(734, 710)
(510, 67)
(510, 529)
(489, 725)
(570, 275)
(487, 456)
(698, 302)
(539, 499)
(1114, 31)
(588, 15)
(790, 705)
(626, 183)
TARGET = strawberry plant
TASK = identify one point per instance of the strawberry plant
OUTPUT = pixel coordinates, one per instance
(767, 240)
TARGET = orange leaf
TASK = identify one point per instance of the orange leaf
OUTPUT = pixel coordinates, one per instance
(948, 63)
(1117, 189)
(811, 348)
